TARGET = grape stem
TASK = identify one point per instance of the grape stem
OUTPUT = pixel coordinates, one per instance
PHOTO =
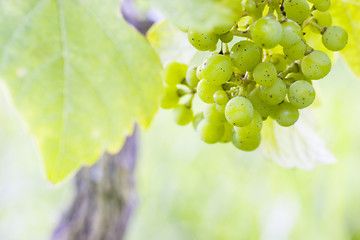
(189, 103)
(238, 33)
(294, 67)
(311, 22)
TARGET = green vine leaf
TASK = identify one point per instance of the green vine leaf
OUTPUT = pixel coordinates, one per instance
(79, 75)
(200, 15)
(346, 14)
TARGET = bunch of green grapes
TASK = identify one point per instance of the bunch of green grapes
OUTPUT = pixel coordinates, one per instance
(248, 80)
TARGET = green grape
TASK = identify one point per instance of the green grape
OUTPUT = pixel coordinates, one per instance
(221, 108)
(297, 76)
(183, 115)
(174, 73)
(322, 18)
(221, 97)
(228, 131)
(253, 8)
(301, 94)
(266, 32)
(203, 41)
(224, 28)
(209, 132)
(335, 38)
(226, 37)
(265, 74)
(213, 115)
(275, 94)
(286, 114)
(191, 78)
(249, 143)
(297, 10)
(245, 55)
(279, 61)
(239, 111)
(316, 65)
(170, 98)
(217, 69)
(295, 51)
(252, 128)
(322, 5)
(199, 72)
(206, 91)
(291, 33)
(261, 107)
(197, 119)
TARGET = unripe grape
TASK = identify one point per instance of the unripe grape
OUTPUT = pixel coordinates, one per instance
(266, 32)
(213, 115)
(209, 132)
(228, 131)
(274, 94)
(286, 114)
(291, 33)
(203, 41)
(265, 74)
(206, 91)
(170, 98)
(297, 10)
(316, 65)
(223, 29)
(322, 18)
(226, 37)
(295, 51)
(197, 119)
(239, 111)
(278, 60)
(253, 8)
(335, 38)
(253, 128)
(220, 97)
(259, 105)
(322, 5)
(191, 78)
(174, 73)
(217, 69)
(245, 55)
(249, 143)
(183, 115)
(301, 94)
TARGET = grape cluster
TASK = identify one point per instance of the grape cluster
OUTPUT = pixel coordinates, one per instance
(267, 72)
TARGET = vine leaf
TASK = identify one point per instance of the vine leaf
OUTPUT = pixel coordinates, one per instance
(200, 15)
(297, 146)
(79, 75)
(346, 14)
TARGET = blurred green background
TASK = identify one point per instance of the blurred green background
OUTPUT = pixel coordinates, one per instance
(191, 190)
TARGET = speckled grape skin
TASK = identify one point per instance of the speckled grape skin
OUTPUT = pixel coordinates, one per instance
(245, 55)
(262, 108)
(209, 132)
(301, 94)
(252, 128)
(239, 111)
(275, 94)
(265, 74)
(279, 61)
(266, 32)
(221, 97)
(297, 10)
(249, 143)
(217, 69)
(206, 90)
(191, 78)
(335, 38)
(213, 115)
(286, 114)
(295, 51)
(323, 19)
(322, 5)
(291, 33)
(316, 65)
(183, 115)
(202, 41)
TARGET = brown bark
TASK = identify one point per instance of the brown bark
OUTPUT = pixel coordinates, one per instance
(104, 199)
